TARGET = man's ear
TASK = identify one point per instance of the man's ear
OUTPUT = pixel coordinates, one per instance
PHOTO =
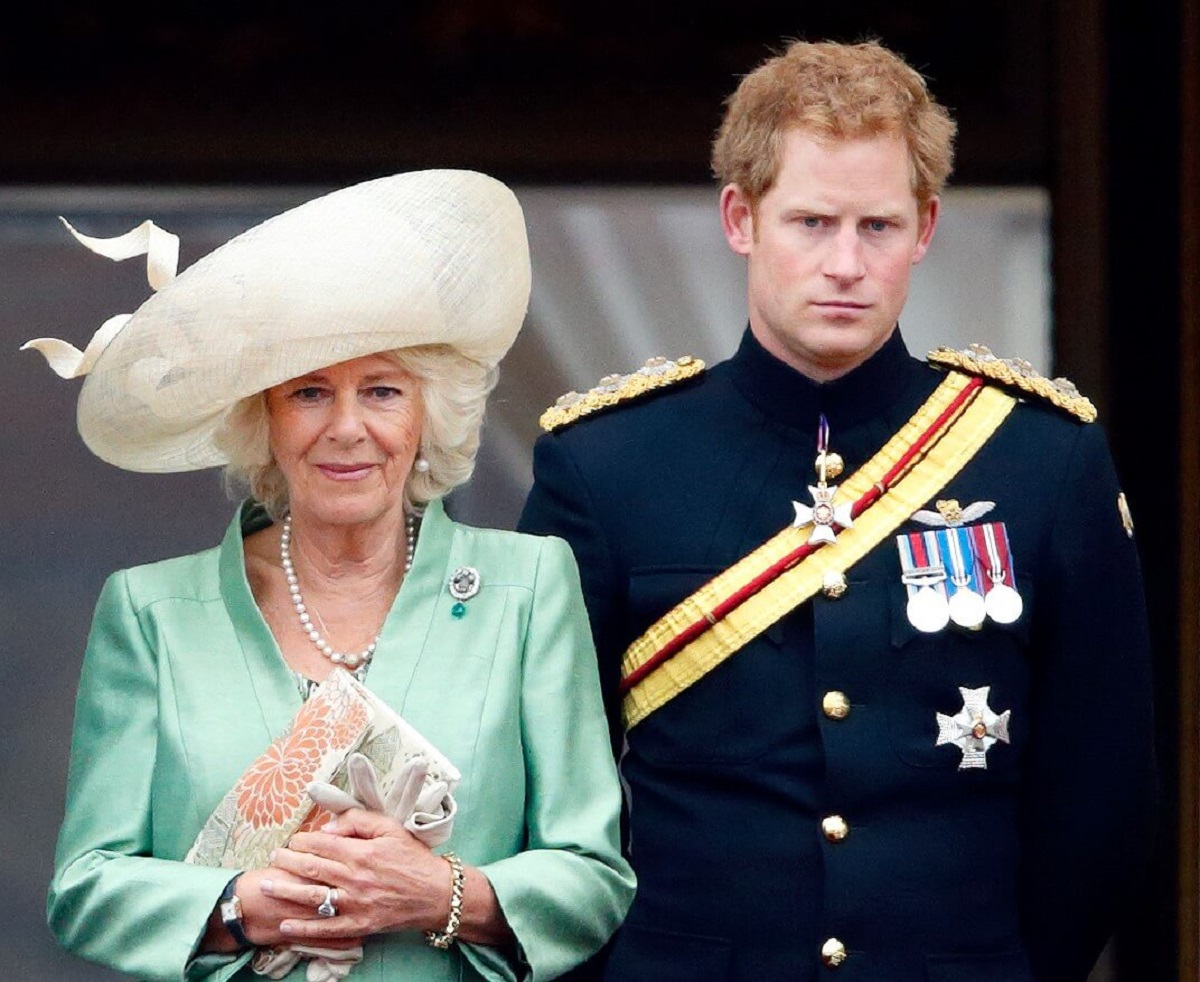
(737, 219)
(928, 224)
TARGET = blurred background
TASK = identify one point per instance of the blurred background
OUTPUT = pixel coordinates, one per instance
(1070, 238)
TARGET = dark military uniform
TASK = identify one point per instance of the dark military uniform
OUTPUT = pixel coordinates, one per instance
(795, 800)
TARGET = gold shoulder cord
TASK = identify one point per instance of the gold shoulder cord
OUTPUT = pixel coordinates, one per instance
(1016, 373)
(612, 390)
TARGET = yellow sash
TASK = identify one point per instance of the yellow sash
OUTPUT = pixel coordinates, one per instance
(959, 440)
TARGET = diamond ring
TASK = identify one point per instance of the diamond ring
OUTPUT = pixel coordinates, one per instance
(327, 908)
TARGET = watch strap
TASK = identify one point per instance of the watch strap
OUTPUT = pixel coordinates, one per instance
(229, 906)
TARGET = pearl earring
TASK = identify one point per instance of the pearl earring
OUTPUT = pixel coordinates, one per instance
(421, 466)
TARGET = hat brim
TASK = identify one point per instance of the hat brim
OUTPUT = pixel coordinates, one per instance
(427, 257)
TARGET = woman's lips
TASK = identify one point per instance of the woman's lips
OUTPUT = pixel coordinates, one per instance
(345, 472)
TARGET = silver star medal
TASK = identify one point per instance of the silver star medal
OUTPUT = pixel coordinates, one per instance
(822, 515)
(974, 729)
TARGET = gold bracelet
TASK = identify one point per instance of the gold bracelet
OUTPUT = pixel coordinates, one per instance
(445, 938)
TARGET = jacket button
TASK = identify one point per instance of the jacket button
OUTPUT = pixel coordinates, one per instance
(833, 953)
(833, 584)
(834, 828)
(835, 705)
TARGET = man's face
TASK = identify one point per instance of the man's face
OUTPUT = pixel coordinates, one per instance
(830, 250)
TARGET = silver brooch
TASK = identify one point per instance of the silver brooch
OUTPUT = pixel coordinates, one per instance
(464, 583)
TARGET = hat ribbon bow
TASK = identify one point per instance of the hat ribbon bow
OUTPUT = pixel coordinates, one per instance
(161, 249)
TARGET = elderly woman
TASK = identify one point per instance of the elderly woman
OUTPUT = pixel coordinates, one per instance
(337, 358)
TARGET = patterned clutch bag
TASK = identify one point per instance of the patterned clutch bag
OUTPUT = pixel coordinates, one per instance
(270, 802)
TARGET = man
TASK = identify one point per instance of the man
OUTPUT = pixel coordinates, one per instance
(873, 627)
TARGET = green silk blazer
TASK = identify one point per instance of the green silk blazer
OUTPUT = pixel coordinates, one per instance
(183, 686)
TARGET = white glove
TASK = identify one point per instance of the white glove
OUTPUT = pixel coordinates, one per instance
(426, 809)
(325, 965)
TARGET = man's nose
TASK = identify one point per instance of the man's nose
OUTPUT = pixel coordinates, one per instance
(844, 260)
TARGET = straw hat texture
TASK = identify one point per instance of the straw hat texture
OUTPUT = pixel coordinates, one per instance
(426, 257)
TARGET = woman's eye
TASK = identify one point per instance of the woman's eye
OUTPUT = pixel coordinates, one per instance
(383, 392)
(309, 393)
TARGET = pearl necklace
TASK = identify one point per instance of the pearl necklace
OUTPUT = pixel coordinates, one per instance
(349, 658)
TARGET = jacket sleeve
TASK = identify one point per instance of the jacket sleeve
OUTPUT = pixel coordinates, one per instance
(560, 504)
(569, 889)
(1090, 796)
(111, 900)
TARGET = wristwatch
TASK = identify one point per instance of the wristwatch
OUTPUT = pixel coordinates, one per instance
(230, 909)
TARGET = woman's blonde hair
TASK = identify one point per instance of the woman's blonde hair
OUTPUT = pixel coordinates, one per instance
(835, 91)
(454, 390)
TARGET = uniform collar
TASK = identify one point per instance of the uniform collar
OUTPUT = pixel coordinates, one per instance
(784, 394)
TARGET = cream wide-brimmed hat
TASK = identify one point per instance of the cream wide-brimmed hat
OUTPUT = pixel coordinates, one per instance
(426, 257)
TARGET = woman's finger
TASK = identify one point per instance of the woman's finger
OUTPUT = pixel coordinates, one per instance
(310, 896)
(356, 823)
(310, 865)
(325, 929)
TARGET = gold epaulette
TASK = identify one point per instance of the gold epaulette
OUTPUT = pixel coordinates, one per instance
(1016, 373)
(657, 373)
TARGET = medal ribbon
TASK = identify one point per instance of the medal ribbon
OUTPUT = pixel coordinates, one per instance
(991, 540)
(956, 547)
(743, 601)
(921, 562)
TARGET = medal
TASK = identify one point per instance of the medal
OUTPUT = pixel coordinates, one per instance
(924, 577)
(1004, 605)
(974, 729)
(967, 606)
(823, 515)
(928, 610)
(968, 609)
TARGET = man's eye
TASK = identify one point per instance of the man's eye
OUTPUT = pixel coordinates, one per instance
(811, 221)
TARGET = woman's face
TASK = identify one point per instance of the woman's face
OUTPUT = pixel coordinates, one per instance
(345, 438)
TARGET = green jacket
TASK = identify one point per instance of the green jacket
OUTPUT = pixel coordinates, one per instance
(183, 686)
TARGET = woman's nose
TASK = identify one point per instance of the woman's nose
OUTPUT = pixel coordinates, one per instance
(346, 420)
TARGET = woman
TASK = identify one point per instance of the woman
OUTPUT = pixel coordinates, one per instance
(338, 358)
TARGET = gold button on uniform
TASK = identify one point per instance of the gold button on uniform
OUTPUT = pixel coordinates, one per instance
(835, 828)
(835, 705)
(833, 953)
(833, 584)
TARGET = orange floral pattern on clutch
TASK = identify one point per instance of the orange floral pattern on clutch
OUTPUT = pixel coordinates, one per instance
(274, 785)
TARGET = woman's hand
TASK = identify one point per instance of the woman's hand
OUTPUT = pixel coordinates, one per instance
(263, 911)
(386, 880)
